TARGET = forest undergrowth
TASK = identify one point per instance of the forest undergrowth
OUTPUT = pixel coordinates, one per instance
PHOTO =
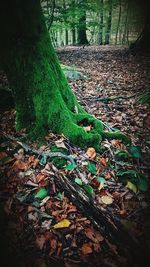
(41, 226)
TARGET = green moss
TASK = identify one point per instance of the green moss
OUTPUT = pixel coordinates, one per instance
(43, 97)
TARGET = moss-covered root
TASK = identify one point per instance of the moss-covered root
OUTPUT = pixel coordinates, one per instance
(116, 135)
(78, 136)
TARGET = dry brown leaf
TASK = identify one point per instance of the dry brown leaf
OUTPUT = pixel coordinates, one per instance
(116, 143)
(35, 163)
(107, 175)
(96, 247)
(91, 153)
(3, 155)
(118, 118)
(40, 240)
(86, 249)
(103, 161)
(19, 165)
(40, 177)
(95, 236)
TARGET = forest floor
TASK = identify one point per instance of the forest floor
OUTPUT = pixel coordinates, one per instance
(41, 221)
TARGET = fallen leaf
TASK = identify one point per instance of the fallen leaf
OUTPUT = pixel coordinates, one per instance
(95, 236)
(132, 187)
(3, 155)
(71, 166)
(91, 153)
(78, 181)
(40, 177)
(88, 189)
(87, 128)
(42, 193)
(107, 200)
(86, 249)
(91, 167)
(40, 240)
(35, 163)
(107, 175)
(103, 161)
(62, 224)
(116, 143)
(19, 165)
(60, 143)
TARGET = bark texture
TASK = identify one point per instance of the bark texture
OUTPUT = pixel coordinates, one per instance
(43, 98)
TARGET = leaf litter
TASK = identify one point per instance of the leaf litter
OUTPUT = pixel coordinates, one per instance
(116, 178)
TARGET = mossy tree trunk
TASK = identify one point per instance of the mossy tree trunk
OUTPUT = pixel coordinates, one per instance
(43, 98)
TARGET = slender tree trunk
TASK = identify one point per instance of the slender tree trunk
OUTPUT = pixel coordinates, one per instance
(118, 24)
(108, 24)
(65, 20)
(73, 30)
(82, 37)
(66, 35)
(124, 38)
(100, 30)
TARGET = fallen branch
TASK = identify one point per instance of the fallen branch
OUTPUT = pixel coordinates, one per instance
(108, 99)
(104, 221)
(46, 154)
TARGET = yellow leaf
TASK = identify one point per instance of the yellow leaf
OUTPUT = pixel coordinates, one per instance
(91, 153)
(131, 186)
(107, 200)
(62, 224)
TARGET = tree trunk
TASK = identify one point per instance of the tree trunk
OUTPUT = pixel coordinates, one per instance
(82, 37)
(143, 42)
(124, 38)
(108, 24)
(118, 24)
(73, 30)
(43, 98)
(100, 30)
(66, 35)
(73, 36)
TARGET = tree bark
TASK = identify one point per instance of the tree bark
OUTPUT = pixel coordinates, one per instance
(118, 23)
(100, 30)
(73, 28)
(43, 98)
(108, 24)
(82, 37)
(143, 41)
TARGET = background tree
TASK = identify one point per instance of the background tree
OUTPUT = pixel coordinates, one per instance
(100, 30)
(82, 37)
